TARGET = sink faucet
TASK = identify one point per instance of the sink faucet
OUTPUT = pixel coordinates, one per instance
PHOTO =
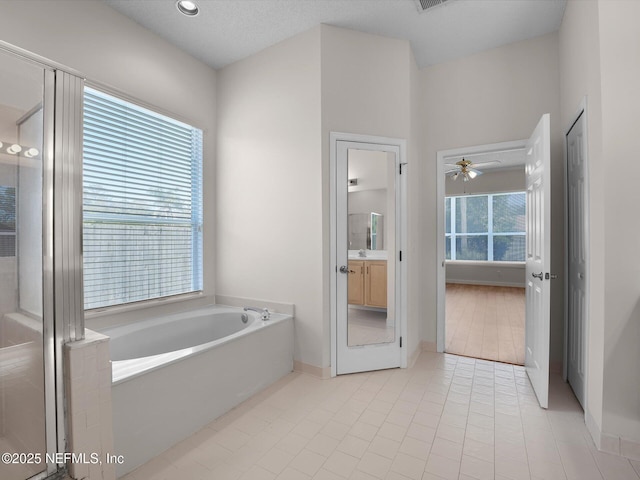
(264, 313)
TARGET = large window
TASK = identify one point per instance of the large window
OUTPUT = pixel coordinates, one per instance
(142, 208)
(486, 227)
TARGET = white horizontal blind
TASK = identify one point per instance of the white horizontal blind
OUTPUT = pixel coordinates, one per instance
(142, 207)
(486, 227)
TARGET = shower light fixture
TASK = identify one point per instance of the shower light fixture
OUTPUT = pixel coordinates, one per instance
(13, 149)
(187, 7)
(31, 152)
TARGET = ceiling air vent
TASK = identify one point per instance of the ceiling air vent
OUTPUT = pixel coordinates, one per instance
(426, 4)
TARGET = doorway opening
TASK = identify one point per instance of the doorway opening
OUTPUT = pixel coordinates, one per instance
(484, 243)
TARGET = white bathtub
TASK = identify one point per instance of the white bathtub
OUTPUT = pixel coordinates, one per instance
(173, 375)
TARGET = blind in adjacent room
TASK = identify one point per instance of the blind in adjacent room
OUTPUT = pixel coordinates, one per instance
(142, 207)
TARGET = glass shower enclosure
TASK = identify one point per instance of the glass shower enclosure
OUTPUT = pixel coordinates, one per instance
(26, 336)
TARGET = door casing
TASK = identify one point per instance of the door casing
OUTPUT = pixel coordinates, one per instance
(401, 244)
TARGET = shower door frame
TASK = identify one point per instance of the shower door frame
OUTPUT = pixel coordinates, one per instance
(62, 318)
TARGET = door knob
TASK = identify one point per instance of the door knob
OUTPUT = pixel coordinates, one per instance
(537, 275)
(345, 269)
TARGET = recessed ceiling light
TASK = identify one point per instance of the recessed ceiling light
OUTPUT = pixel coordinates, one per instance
(187, 7)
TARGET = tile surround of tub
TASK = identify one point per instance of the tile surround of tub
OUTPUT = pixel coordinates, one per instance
(90, 422)
(447, 417)
(278, 307)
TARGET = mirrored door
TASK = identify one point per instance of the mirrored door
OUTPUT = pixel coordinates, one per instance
(368, 327)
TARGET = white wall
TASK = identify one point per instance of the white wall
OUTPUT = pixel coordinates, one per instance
(366, 201)
(416, 196)
(269, 184)
(111, 49)
(29, 219)
(497, 274)
(620, 78)
(369, 168)
(599, 51)
(491, 97)
(579, 47)
(367, 88)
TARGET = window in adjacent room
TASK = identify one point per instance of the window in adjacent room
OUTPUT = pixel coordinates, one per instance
(142, 207)
(7, 221)
(486, 227)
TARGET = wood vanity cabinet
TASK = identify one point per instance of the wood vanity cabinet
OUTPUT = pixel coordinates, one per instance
(368, 283)
(356, 282)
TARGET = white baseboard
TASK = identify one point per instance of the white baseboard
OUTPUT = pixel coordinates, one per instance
(426, 346)
(318, 372)
(612, 444)
(413, 356)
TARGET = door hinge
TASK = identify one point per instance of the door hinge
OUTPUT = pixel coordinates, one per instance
(401, 167)
(400, 255)
(400, 342)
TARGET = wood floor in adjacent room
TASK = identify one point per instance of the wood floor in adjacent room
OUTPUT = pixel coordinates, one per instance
(485, 322)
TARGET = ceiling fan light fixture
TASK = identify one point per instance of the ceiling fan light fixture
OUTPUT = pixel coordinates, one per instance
(187, 7)
(472, 174)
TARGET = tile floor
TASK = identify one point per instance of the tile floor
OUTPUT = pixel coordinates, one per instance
(447, 417)
(368, 327)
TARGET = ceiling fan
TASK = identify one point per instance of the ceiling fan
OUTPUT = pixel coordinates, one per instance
(464, 168)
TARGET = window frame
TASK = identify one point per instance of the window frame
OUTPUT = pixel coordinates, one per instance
(172, 298)
(452, 235)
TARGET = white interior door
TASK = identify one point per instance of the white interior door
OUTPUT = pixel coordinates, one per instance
(538, 262)
(368, 267)
(576, 150)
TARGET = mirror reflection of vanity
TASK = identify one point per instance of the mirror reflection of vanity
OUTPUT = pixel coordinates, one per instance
(368, 260)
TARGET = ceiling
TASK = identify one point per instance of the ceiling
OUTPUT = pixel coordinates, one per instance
(226, 31)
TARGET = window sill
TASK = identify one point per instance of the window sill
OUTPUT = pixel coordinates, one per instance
(141, 305)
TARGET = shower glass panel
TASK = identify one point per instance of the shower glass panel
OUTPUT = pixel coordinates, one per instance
(22, 396)
(371, 234)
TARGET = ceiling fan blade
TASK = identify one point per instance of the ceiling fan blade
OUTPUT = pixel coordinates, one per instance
(453, 170)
